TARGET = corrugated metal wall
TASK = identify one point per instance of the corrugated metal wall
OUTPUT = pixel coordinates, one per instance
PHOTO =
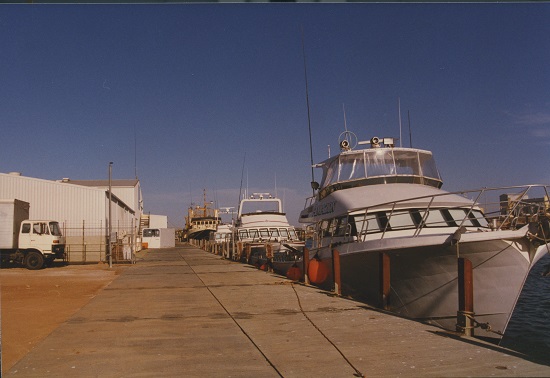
(66, 203)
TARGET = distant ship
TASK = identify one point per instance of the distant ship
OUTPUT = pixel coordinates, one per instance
(385, 202)
(201, 221)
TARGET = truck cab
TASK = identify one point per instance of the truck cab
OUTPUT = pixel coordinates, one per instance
(42, 241)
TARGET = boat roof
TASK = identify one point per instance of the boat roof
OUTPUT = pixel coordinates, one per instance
(376, 166)
(259, 203)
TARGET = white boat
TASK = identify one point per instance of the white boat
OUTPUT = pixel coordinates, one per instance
(264, 235)
(222, 234)
(386, 201)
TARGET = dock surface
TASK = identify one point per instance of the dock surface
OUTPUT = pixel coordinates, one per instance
(185, 312)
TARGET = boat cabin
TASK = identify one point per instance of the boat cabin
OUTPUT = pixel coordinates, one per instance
(378, 165)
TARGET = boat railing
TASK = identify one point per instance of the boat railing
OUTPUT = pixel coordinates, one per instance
(501, 208)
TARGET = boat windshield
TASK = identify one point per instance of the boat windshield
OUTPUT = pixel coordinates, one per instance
(380, 166)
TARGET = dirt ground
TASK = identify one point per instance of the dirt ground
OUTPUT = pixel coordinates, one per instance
(34, 303)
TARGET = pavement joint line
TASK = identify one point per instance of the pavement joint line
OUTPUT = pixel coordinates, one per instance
(240, 327)
(357, 372)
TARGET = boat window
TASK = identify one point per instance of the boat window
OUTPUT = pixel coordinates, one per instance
(351, 167)
(427, 164)
(478, 217)
(366, 225)
(459, 215)
(333, 226)
(331, 174)
(380, 163)
(253, 233)
(406, 163)
(417, 216)
(323, 227)
(342, 229)
(264, 232)
(284, 233)
(383, 221)
(435, 219)
(273, 232)
(449, 218)
(401, 220)
(243, 234)
(293, 233)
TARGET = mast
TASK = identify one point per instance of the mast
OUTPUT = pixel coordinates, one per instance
(308, 114)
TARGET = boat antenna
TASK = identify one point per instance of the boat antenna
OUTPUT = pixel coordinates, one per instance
(345, 122)
(308, 113)
(410, 134)
(242, 174)
(399, 106)
(135, 152)
(276, 185)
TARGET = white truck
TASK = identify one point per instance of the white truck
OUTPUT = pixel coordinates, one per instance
(33, 243)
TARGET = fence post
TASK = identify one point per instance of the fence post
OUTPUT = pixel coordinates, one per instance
(83, 241)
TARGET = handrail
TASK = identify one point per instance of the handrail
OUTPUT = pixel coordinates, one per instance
(424, 218)
(515, 208)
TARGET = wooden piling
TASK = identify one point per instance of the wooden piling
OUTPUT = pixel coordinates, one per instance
(305, 262)
(465, 297)
(385, 282)
(336, 272)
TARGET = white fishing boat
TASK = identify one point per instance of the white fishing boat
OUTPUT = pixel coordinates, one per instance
(386, 202)
(264, 236)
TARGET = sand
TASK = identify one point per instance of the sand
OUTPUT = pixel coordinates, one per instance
(34, 303)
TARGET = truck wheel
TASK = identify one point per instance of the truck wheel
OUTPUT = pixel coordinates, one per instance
(34, 260)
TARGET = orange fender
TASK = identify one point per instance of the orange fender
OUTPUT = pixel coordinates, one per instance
(317, 271)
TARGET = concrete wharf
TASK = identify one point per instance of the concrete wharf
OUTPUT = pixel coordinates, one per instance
(185, 312)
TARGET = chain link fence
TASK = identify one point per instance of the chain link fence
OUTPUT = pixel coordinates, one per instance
(86, 241)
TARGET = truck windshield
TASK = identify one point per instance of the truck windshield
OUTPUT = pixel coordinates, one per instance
(54, 229)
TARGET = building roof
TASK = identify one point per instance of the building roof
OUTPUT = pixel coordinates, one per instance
(103, 183)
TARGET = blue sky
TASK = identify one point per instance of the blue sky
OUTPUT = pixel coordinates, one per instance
(200, 89)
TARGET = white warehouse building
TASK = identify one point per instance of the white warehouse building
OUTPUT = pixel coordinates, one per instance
(82, 209)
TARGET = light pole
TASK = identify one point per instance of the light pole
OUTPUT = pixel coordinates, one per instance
(110, 225)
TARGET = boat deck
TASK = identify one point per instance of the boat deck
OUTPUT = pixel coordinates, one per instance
(185, 312)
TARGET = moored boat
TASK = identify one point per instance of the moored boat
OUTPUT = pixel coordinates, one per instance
(201, 221)
(385, 203)
(263, 235)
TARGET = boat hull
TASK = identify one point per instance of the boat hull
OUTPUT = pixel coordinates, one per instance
(424, 279)
(282, 259)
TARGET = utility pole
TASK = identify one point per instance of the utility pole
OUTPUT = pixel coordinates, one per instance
(110, 212)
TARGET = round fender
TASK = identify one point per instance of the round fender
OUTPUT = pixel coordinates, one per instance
(317, 271)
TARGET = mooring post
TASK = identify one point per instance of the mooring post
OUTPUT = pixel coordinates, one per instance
(336, 272)
(384, 272)
(465, 297)
(305, 264)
